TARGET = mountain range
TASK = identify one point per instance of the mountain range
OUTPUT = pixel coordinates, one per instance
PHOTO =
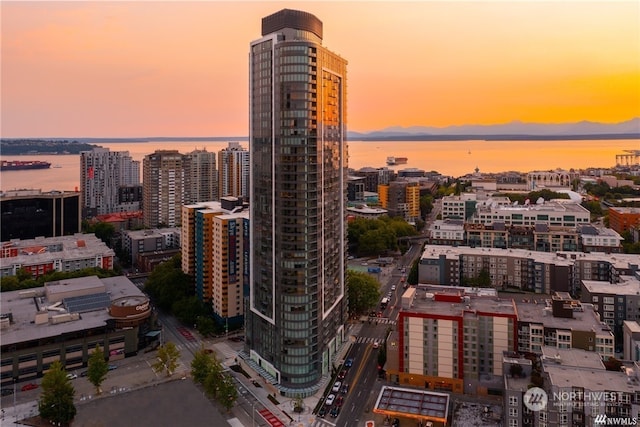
(511, 130)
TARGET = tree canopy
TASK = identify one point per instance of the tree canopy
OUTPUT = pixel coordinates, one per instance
(167, 359)
(97, 368)
(363, 291)
(207, 371)
(369, 237)
(56, 400)
(167, 284)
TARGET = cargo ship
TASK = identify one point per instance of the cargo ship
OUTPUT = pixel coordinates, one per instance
(396, 160)
(16, 165)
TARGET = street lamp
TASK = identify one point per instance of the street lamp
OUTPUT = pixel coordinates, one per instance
(253, 411)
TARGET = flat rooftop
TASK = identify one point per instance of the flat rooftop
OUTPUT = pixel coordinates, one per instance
(588, 319)
(23, 308)
(412, 403)
(628, 285)
(50, 249)
(455, 252)
(425, 302)
(571, 357)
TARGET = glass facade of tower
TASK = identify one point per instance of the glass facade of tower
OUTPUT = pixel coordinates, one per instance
(297, 307)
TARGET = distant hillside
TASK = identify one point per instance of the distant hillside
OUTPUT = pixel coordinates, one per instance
(514, 130)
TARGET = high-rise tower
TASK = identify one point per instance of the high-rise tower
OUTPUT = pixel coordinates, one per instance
(200, 176)
(103, 174)
(233, 171)
(162, 188)
(297, 308)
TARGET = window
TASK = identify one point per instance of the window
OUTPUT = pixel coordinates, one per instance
(513, 412)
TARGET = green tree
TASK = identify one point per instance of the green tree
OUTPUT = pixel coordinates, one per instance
(9, 283)
(188, 309)
(23, 274)
(228, 393)
(363, 291)
(594, 207)
(97, 368)
(56, 400)
(201, 365)
(167, 359)
(205, 325)
(168, 284)
(216, 383)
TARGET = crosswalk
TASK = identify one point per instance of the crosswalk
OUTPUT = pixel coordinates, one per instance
(367, 340)
(382, 320)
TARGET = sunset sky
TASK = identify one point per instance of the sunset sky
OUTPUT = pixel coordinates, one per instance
(136, 69)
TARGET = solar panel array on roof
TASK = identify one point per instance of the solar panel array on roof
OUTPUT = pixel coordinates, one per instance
(420, 403)
(589, 229)
(84, 303)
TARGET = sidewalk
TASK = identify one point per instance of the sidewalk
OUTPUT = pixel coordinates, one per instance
(284, 409)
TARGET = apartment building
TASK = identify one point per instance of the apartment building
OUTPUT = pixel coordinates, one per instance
(218, 255)
(615, 302)
(137, 243)
(622, 219)
(42, 255)
(233, 171)
(504, 268)
(553, 213)
(562, 322)
(450, 340)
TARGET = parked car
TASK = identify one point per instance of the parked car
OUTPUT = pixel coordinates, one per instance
(335, 411)
(342, 374)
(322, 412)
(345, 388)
(83, 373)
(7, 391)
(330, 399)
(72, 376)
(29, 386)
(339, 400)
(112, 367)
(348, 363)
(336, 387)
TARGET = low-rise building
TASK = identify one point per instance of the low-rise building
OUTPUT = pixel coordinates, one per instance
(504, 268)
(562, 322)
(580, 390)
(65, 320)
(365, 211)
(42, 255)
(631, 340)
(140, 242)
(615, 302)
(622, 219)
(554, 213)
(447, 232)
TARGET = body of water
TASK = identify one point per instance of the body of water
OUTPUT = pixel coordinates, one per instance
(454, 158)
